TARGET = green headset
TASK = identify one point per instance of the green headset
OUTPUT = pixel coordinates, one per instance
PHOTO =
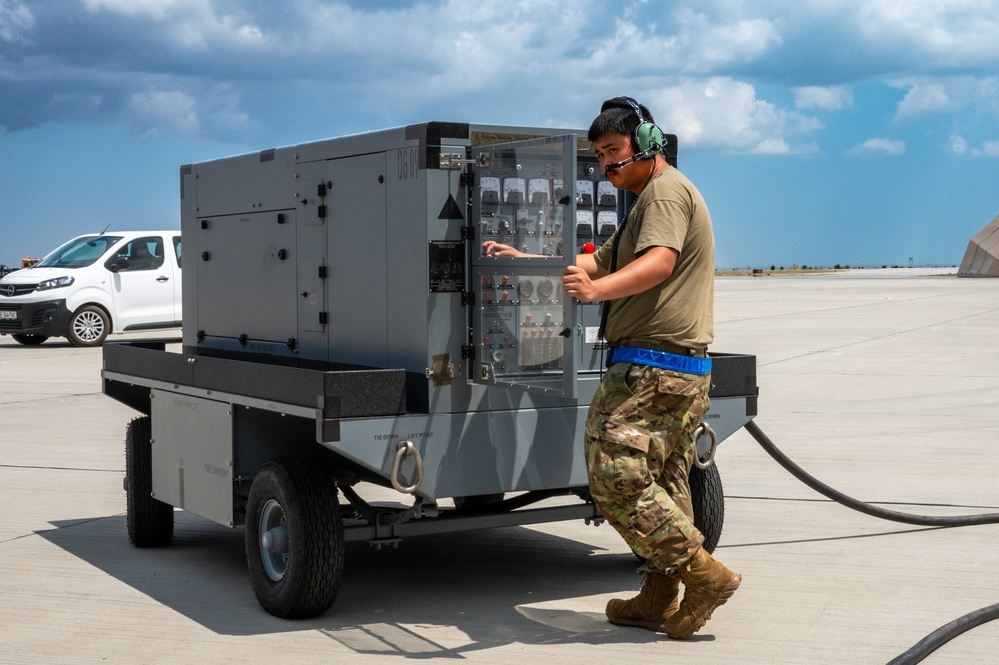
(647, 137)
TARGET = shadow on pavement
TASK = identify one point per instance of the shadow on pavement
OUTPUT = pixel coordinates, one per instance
(433, 596)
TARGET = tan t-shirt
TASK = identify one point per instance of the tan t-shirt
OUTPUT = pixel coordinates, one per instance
(670, 212)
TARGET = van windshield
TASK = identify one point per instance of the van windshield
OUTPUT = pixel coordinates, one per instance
(78, 253)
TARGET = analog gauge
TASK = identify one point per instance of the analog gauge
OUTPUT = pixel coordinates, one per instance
(606, 193)
(606, 222)
(525, 289)
(514, 190)
(490, 195)
(584, 223)
(545, 288)
(538, 191)
(584, 192)
(491, 184)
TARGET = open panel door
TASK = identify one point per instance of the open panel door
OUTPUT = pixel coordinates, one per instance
(523, 324)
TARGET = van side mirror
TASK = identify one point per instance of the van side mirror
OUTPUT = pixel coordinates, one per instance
(119, 264)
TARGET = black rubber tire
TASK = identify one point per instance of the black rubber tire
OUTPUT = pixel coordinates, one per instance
(150, 522)
(89, 326)
(301, 579)
(29, 339)
(709, 504)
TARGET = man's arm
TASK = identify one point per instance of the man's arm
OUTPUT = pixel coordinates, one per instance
(589, 265)
(653, 267)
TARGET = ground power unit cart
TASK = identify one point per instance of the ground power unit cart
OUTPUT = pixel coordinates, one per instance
(343, 333)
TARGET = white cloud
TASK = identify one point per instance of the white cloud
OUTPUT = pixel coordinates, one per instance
(878, 147)
(717, 72)
(725, 113)
(945, 95)
(989, 149)
(189, 24)
(715, 41)
(156, 9)
(826, 98)
(15, 19)
(174, 109)
(937, 33)
(923, 99)
(958, 145)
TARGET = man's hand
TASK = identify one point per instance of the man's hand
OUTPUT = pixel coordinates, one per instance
(579, 285)
(654, 266)
(496, 249)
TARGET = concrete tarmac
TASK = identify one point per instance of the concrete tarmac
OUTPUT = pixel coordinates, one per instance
(882, 383)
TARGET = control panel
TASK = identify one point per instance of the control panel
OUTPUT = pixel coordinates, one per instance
(548, 199)
(523, 326)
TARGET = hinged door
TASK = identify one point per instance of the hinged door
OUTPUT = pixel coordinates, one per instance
(523, 324)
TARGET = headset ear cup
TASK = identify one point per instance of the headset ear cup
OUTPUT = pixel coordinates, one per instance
(649, 138)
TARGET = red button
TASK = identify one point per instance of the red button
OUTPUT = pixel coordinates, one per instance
(589, 248)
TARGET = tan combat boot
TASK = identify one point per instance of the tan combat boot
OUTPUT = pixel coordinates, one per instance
(708, 584)
(658, 600)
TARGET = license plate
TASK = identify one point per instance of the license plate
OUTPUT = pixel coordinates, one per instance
(8, 315)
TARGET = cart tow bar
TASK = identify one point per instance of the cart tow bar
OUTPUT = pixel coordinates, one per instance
(702, 429)
(406, 449)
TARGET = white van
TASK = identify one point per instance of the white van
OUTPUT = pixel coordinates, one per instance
(94, 285)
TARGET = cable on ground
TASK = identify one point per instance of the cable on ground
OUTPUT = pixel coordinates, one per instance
(945, 633)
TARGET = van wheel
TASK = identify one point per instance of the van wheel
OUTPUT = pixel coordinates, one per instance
(30, 340)
(89, 326)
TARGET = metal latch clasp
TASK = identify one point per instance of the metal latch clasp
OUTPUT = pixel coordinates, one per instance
(442, 371)
(454, 160)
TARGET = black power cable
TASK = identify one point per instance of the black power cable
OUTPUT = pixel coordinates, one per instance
(943, 634)
(850, 502)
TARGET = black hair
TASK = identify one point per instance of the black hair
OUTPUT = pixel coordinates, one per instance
(617, 120)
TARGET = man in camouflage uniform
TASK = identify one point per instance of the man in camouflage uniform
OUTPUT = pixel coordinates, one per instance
(657, 276)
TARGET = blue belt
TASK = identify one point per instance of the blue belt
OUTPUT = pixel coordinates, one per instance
(661, 359)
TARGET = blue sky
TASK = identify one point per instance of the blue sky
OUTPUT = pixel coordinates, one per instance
(819, 131)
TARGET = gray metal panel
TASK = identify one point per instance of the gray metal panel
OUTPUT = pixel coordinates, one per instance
(248, 288)
(192, 454)
(411, 214)
(475, 453)
(726, 416)
(358, 282)
(245, 183)
(487, 452)
(312, 188)
(351, 146)
(188, 225)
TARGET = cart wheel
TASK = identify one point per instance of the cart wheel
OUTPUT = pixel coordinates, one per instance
(150, 522)
(709, 504)
(294, 538)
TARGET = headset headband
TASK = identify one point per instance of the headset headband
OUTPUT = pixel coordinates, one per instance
(647, 137)
(627, 103)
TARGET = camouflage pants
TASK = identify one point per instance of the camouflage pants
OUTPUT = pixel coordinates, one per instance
(639, 450)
